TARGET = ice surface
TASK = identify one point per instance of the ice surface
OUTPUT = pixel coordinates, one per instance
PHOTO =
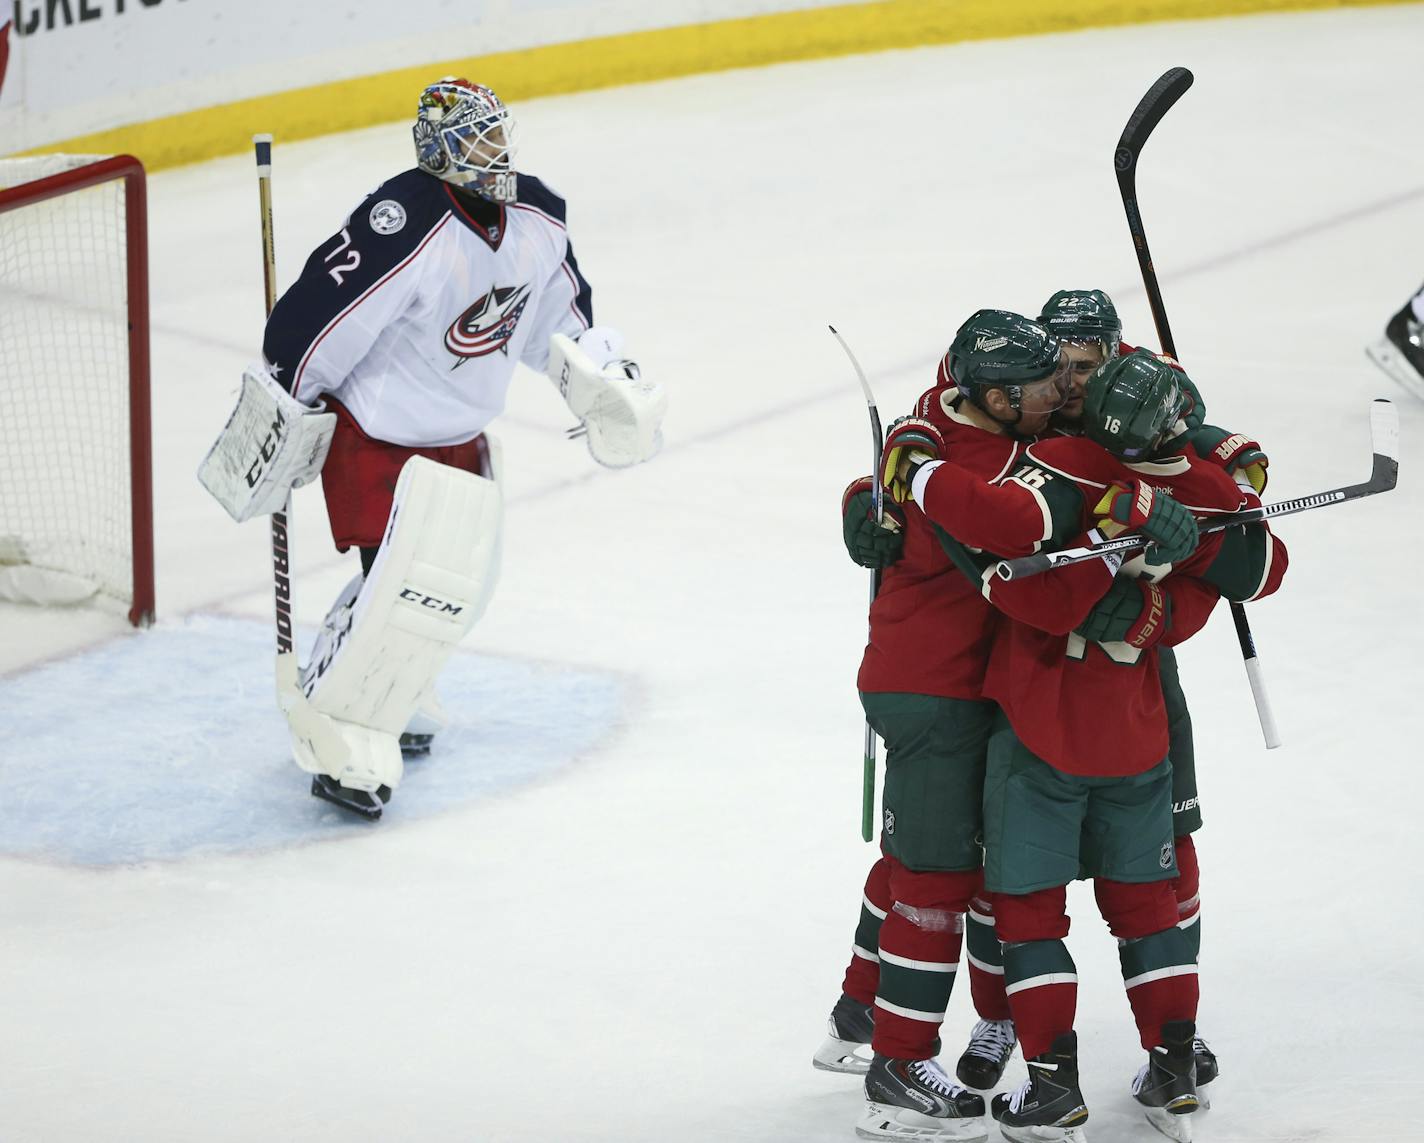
(644, 945)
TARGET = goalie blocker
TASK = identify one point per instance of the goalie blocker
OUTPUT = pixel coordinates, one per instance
(385, 640)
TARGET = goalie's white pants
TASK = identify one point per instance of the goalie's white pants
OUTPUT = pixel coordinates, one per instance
(386, 638)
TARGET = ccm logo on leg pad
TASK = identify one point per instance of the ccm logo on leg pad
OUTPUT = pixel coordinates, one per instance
(417, 597)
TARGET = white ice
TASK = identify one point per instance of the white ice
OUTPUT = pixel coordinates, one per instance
(643, 943)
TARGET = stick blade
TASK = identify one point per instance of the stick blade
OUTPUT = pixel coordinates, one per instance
(1160, 97)
(1384, 439)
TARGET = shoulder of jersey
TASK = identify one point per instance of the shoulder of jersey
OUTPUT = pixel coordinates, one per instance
(535, 193)
(404, 209)
(1077, 458)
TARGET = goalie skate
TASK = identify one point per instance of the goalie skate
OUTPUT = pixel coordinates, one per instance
(361, 802)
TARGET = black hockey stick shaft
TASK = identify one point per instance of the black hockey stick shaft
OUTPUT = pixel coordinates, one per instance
(1160, 98)
(1384, 475)
(877, 495)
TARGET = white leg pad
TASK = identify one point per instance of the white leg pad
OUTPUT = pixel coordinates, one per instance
(375, 664)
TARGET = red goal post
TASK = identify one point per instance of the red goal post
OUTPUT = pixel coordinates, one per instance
(76, 486)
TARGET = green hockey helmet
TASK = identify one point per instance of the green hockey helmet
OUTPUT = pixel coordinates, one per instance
(1131, 403)
(996, 349)
(1084, 315)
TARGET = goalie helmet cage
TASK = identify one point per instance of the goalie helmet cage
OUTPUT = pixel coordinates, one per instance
(76, 486)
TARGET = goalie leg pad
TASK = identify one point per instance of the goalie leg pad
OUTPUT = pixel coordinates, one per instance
(431, 581)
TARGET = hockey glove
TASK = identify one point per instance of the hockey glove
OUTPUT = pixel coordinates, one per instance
(1236, 452)
(1195, 413)
(620, 413)
(870, 544)
(1133, 611)
(1138, 507)
(910, 443)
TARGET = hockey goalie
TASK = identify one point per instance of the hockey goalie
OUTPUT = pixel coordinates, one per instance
(382, 366)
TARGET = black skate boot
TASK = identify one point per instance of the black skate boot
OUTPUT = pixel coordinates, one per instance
(1049, 1106)
(1166, 1085)
(1206, 1069)
(361, 802)
(914, 1099)
(847, 1044)
(1400, 353)
(983, 1062)
(415, 745)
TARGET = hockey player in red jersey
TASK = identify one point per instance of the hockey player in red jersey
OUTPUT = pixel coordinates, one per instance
(920, 682)
(383, 365)
(1060, 796)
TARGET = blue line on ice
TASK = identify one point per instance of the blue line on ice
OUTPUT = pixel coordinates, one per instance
(168, 744)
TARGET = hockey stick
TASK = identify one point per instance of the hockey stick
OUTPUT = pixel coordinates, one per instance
(877, 495)
(287, 688)
(1384, 440)
(1159, 99)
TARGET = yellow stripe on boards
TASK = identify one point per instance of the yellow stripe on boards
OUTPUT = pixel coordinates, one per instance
(641, 57)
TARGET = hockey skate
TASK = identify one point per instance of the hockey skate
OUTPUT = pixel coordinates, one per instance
(1048, 1107)
(983, 1062)
(361, 802)
(915, 1100)
(847, 1044)
(1166, 1084)
(1206, 1069)
(1400, 353)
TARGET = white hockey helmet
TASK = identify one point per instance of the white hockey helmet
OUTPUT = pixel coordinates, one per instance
(465, 135)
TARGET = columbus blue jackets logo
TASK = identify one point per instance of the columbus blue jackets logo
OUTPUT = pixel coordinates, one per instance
(487, 326)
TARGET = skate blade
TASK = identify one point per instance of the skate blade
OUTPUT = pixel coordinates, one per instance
(353, 801)
(885, 1121)
(843, 1056)
(1044, 1134)
(1388, 358)
(1178, 1127)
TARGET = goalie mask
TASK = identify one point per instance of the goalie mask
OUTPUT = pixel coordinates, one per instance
(464, 134)
(1131, 404)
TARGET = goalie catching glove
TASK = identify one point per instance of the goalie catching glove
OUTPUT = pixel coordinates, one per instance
(271, 444)
(620, 413)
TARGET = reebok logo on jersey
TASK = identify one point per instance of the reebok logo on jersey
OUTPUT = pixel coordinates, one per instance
(989, 344)
(487, 326)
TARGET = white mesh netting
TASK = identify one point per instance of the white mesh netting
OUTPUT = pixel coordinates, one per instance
(65, 491)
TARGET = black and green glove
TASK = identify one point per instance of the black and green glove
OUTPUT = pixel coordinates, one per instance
(1235, 452)
(869, 544)
(1139, 507)
(1133, 611)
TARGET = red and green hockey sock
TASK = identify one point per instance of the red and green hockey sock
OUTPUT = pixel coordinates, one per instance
(1042, 985)
(862, 976)
(985, 956)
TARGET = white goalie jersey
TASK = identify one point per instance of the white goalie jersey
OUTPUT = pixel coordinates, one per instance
(414, 315)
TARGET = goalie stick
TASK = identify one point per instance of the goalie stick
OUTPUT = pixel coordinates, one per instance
(877, 495)
(1160, 98)
(1384, 440)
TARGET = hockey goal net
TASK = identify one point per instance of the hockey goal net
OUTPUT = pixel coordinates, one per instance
(76, 501)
